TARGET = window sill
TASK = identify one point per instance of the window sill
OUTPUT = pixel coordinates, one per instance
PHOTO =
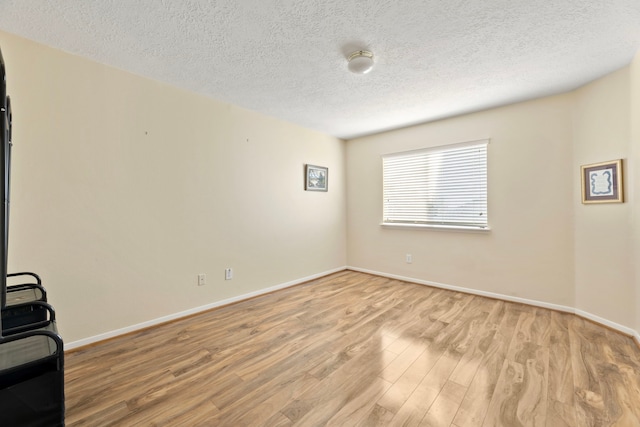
(464, 228)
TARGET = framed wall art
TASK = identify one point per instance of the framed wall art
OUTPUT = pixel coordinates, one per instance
(602, 182)
(316, 178)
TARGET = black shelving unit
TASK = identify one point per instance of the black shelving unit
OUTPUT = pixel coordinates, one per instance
(19, 309)
(31, 350)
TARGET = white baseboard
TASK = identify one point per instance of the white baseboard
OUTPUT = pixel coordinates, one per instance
(621, 328)
(112, 334)
(608, 323)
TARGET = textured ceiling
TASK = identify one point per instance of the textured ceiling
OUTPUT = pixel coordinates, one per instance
(287, 58)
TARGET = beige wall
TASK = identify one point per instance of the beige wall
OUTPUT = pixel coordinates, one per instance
(634, 179)
(544, 244)
(603, 233)
(124, 189)
(529, 251)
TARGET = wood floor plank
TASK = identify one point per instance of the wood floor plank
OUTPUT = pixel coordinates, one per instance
(354, 349)
(318, 405)
(590, 405)
(400, 364)
(444, 408)
(416, 406)
(401, 389)
(358, 408)
(561, 402)
(613, 372)
(287, 374)
(520, 396)
(501, 321)
(377, 417)
(503, 406)
(283, 394)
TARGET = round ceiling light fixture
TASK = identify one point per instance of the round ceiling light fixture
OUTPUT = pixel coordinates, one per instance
(360, 62)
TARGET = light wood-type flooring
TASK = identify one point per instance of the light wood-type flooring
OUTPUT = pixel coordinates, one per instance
(353, 349)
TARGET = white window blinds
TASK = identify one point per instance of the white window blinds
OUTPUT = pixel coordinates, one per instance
(445, 186)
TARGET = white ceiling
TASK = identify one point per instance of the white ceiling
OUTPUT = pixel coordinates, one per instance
(287, 58)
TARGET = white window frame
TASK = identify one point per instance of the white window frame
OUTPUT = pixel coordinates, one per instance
(438, 187)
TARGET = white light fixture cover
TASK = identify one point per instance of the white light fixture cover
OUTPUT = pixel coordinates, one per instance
(360, 62)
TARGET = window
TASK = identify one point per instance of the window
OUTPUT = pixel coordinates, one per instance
(443, 186)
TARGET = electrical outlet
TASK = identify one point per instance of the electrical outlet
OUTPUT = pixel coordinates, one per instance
(228, 274)
(409, 258)
(202, 279)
